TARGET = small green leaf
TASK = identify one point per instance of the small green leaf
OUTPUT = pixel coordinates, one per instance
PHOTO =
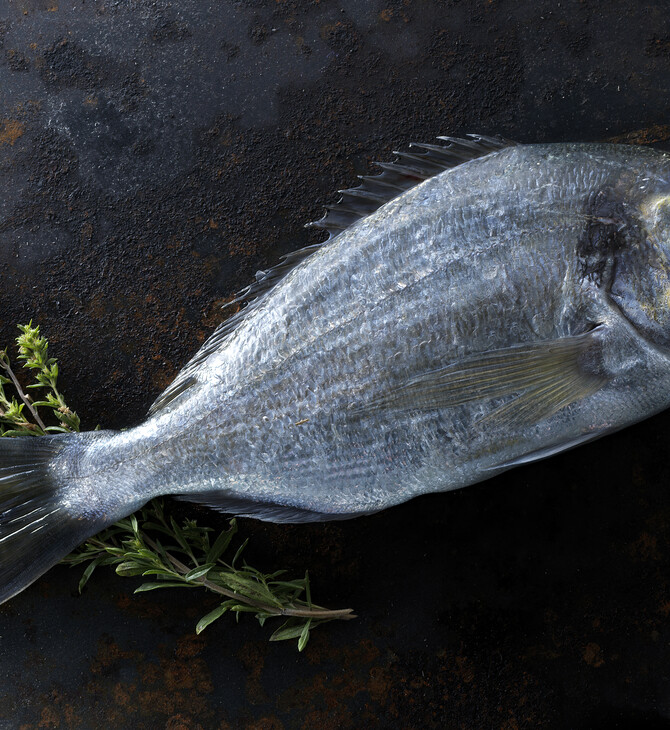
(205, 621)
(160, 571)
(198, 572)
(308, 597)
(17, 432)
(178, 534)
(158, 528)
(129, 568)
(304, 635)
(296, 585)
(243, 608)
(220, 545)
(289, 630)
(239, 552)
(88, 573)
(166, 584)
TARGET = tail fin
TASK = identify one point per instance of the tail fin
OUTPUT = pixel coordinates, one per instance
(35, 530)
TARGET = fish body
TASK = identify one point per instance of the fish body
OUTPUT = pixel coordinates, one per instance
(497, 312)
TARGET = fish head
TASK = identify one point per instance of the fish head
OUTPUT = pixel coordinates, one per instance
(640, 275)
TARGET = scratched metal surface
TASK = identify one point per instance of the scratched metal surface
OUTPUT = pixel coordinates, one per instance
(153, 156)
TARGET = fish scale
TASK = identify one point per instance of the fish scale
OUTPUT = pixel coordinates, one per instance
(489, 304)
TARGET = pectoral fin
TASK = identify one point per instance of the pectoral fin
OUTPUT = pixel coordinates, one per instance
(543, 378)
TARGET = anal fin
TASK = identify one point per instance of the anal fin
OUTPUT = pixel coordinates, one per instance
(265, 511)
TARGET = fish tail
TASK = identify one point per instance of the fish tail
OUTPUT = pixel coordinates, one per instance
(36, 530)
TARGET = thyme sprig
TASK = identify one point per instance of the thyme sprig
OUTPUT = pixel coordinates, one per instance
(33, 350)
(151, 543)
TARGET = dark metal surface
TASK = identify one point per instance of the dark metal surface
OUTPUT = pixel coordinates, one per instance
(153, 156)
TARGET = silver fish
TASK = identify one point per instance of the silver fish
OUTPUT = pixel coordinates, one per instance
(478, 305)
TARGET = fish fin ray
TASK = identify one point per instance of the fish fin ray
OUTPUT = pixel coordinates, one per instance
(35, 531)
(265, 511)
(177, 388)
(537, 404)
(543, 377)
(410, 169)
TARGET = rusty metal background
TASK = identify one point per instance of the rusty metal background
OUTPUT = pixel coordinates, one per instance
(153, 156)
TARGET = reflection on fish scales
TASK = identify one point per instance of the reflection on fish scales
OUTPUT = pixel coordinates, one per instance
(478, 305)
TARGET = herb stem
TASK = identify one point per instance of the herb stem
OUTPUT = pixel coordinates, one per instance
(322, 613)
(4, 362)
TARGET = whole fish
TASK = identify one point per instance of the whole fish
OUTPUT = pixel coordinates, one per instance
(478, 305)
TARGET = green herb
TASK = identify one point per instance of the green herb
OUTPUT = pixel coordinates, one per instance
(151, 543)
(20, 418)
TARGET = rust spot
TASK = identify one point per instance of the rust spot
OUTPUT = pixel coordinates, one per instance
(658, 46)
(333, 719)
(252, 656)
(86, 232)
(464, 669)
(189, 646)
(386, 14)
(266, 723)
(49, 718)
(215, 314)
(326, 694)
(649, 135)
(645, 547)
(593, 655)
(122, 695)
(511, 724)
(140, 605)
(182, 722)
(70, 716)
(380, 684)
(10, 131)
(109, 653)
(176, 685)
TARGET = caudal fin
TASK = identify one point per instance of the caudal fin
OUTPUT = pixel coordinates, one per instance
(35, 530)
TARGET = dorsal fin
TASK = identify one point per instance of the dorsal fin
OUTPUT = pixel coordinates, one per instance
(408, 170)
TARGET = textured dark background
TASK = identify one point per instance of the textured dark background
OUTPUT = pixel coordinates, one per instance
(153, 156)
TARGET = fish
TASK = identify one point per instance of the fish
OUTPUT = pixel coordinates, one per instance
(478, 305)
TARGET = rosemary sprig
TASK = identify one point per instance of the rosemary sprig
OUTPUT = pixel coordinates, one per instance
(151, 543)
